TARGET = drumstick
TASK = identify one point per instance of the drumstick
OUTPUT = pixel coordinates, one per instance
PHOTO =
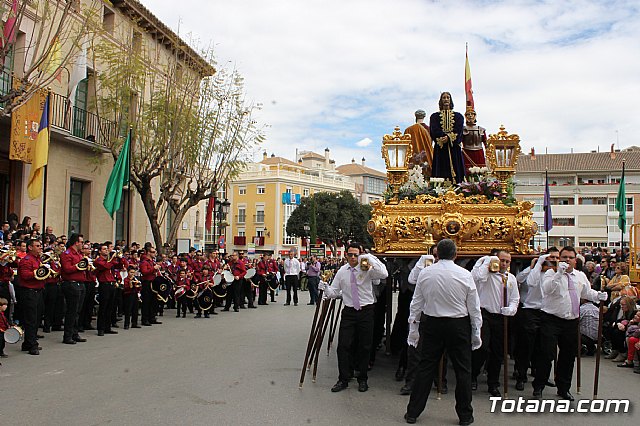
(311, 333)
(596, 376)
(330, 326)
(319, 326)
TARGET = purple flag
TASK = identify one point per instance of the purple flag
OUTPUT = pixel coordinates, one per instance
(548, 220)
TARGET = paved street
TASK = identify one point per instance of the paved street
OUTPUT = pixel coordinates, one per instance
(235, 368)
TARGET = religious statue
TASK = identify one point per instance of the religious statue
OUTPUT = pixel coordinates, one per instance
(474, 139)
(421, 143)
(446, 131)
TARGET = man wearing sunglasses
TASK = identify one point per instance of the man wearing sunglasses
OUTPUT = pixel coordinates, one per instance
(354, 282)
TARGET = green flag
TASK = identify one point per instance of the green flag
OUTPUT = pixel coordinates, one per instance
(621, 205)
(118, 179)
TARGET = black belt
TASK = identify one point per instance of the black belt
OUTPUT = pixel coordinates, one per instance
(484, 311)
(32, 289)
(362, 308)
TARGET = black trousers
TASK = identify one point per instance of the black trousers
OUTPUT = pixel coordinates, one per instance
(50, 298)
(107, 291)
(74, 297)
(130, 309)
(184, 303)
(438, 335)
(526, 353)
(291, 281)
(86, 313)
(492, 349)
(31, 302)
(358, 326)
(312, 285)
(263, 288)
(249, 292)
(557, 333)
(149, 302)
(233, 295)
(117, 308)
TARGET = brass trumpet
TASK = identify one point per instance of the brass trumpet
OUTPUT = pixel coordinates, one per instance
(326, 275)
(8, 255)
(115, 253)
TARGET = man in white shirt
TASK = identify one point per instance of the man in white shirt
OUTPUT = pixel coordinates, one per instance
(355, 286)
(291, 276)
(446, 309)
(530, 317)
(561, 294)
(491, 286)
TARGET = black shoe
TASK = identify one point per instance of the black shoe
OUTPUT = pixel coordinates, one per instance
(198, 316)
(566, 395)
(537, 393)
(126, 327)
(287, 304)
(39, 336)
(69, 342)
(111, 332)
(3, 355)
(295, 304)
(28, 349)
(444, 390)
(495, 392)
(46, 330)
(466, 422)
(80, 330)
(363, 386)
(253, 307)
(100, 333)
(135, 326)
(156, 322)
(340, 385)
(474, 385)
(56, 328)
(550, 384)
(146, 324)
(214, 313)
(400, 374)
(79, 339)
(88, 327)
(405, 390)
(409, 419)
(178, 316)
(115, 326)
(310, 303)
(236, 310)
(243, 307)
(520, 385)
(206, 315)
(225, 310)
(34, 352)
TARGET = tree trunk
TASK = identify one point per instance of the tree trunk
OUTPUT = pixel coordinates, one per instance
(144, 189)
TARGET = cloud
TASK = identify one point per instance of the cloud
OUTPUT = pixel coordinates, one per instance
(364, 142)
(562, 75)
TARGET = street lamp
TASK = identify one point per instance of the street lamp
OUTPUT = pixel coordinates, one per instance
(396, 151)
(502, 153)
(307, 228)
(222, 211)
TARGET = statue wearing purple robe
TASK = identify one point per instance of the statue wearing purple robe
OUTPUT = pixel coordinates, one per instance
(446, 128)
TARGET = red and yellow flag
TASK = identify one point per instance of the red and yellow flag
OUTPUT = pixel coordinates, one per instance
(467, 82)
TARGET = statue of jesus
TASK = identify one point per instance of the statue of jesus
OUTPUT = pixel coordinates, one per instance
(446, 132)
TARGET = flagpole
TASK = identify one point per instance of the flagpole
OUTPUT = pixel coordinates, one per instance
(46, 172)
(624, 211)
(129, 240)
(546, 182)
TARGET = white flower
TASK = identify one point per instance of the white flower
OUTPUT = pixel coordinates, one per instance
(474, 170)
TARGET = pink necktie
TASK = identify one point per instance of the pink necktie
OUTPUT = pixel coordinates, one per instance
(575, 303)
(354, 290)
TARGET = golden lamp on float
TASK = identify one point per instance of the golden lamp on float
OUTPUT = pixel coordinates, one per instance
(503, 150)
(396, 151)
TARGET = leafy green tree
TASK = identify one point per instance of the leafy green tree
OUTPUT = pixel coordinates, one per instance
(192, 127)
(338, 218)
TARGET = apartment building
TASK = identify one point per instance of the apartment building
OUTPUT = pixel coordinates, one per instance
(583, 189)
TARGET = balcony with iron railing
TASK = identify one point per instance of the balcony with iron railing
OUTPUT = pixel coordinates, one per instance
(258, 218)
(241, 218)
(81, 123)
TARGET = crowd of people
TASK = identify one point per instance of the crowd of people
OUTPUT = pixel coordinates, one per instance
(71, 285)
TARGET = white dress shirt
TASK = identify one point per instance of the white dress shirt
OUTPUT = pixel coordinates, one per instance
(491, 288)
(555, 291)
(444, 289)
(533, 298)
(521, 278)
(418, 267)
(365, 280)
(291, 266)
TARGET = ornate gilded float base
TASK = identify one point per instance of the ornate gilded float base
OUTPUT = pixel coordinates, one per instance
(475, 223)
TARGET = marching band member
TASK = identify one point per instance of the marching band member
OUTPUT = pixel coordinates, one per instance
(149, 271)
(234, 289)
(86, 312)
(261, 276)
(6, 276)
(72, 288)
(562, 292)
(207, 278)
(31, 295)
(4, 325)
(355, 284)
(272, 277)
(183, 282)
(105, 265)
(490, 285)
(50, 294)
(131, 288)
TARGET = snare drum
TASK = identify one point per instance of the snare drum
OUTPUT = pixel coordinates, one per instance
(228, 276)
(13, 334)
(250, 273)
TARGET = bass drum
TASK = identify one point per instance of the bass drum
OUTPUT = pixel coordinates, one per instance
(228, 276)
(162, 286)
(13, 334)
(205, 299)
